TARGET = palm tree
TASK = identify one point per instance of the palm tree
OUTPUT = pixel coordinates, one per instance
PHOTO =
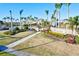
(36, 18)
(25, 19)
(72, 23)
(4, 19)
(11, 20)
(47, 12)
(58, 7)
(21, 11)
(68, 4)
(76, 21)
(53, 18)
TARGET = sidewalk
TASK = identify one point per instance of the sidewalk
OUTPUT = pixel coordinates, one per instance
(21, 40)
(18, 53)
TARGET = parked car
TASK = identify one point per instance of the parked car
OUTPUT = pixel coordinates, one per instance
(4, 28)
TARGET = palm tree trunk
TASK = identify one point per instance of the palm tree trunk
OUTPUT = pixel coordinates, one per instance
(11, 22)
(20, 23)
(11, 25)
(68, 12)
(59, 16)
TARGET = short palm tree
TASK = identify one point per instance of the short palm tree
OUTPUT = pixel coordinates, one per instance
(76, 21)
(25, 19)
(71, 23)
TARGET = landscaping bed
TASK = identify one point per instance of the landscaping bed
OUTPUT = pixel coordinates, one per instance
(69, 38)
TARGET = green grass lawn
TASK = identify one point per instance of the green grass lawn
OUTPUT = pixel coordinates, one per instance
(6, 54)
(7, 39)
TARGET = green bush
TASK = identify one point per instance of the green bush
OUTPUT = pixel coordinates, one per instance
(25, 27)
(10, 32)
(16, 30)
(56, 34)
(77, 39)
(7, 32)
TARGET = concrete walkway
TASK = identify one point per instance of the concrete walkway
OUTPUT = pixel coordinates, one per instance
(18, 53)
(21, 40)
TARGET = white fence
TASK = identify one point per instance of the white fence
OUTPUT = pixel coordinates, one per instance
(64, 31)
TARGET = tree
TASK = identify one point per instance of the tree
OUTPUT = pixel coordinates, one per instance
(21, 11)
(4, 19)
(36, 18)
(47, 12)
(76, 21)
(1, 23)
(11, 20)
(25, 19)
(68, 4)
(71, 23)
(53, 18)
(58, 7)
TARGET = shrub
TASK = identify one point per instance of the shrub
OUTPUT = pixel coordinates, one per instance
(77, 39)
(16, 30)
(7, 32)
(56, 34)
(25, 27)
(21, 30)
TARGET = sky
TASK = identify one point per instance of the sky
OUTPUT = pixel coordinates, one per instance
(36, 9)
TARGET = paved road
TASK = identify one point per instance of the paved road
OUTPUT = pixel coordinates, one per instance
(21, 40)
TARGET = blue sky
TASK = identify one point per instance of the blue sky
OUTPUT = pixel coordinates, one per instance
(35, 9)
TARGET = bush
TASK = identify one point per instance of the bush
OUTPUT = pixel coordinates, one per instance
(56, 34)
(10, 32)
(25, 27)
(77, 39)
(7, 32)
(16, 30)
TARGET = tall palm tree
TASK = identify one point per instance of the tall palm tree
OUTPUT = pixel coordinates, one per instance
(68, 4)
(11, 20)
(53, 18)
(21, 11)
(47, 12)
(58, 7)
